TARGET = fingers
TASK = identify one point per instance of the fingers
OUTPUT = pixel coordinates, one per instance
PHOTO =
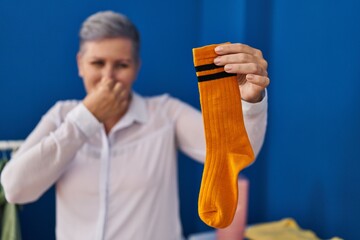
(118, 87)
(237, 48)
(107, 83)
(246, 68)
(261, 81)
(122, 94)
(241, 59)
(235, 58)
(110, 98)
(113, 91)
(112, 86)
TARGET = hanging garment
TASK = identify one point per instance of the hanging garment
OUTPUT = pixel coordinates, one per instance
(9, 221)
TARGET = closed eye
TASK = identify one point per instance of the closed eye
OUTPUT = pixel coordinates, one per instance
(121, 65)
(97, 63)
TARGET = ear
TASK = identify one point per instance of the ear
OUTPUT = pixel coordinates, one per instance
(79, 64)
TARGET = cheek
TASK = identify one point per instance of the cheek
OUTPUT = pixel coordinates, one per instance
(91, 80)
(126, 77)
(92, 74)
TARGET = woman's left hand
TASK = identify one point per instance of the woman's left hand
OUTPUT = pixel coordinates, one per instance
(249, 65)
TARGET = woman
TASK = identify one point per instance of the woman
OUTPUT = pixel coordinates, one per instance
(112, 155)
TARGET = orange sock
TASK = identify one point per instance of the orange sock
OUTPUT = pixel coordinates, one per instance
(228, 149)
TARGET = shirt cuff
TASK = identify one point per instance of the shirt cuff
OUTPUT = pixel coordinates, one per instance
(255, 108)
(84, 120)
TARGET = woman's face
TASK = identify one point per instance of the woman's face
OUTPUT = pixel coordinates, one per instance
(112, 58)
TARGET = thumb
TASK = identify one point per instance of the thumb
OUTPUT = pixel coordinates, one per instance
(107, 82)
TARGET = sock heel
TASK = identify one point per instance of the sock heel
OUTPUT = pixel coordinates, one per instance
(239, 161)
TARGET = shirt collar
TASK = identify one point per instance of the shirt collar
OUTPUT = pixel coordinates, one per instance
(137, 110)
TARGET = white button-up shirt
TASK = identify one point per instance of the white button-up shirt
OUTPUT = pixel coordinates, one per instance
(117, 186)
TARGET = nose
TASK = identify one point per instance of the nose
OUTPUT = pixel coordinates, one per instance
(108, 72)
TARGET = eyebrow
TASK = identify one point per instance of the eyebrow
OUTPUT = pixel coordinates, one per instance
(101, 58)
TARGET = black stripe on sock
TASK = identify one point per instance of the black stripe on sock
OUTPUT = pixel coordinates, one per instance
(215, 76)
(207, 67)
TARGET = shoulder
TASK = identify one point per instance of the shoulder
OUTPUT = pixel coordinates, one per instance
(60, 109)
(64, 106)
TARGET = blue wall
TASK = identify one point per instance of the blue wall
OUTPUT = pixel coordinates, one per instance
(313, 149)
(308, 167)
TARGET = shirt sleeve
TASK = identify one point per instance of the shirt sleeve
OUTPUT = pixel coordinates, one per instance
(190, 134)
(46, 153)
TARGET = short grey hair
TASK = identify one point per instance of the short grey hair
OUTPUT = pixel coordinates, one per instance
(109, 24)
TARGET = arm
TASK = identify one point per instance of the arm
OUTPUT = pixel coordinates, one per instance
(50, 149)
(46, 153)
(255, 120)
(190, 131)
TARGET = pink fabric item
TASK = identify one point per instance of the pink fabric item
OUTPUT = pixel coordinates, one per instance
(237, 228)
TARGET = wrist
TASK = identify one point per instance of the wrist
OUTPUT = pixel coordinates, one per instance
(92, 109)
(256, 98)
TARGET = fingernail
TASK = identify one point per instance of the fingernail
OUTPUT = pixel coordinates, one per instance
(228, 67)
(217, 60)
(219, 49)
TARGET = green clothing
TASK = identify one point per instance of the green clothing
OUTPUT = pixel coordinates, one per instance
(9, 221)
